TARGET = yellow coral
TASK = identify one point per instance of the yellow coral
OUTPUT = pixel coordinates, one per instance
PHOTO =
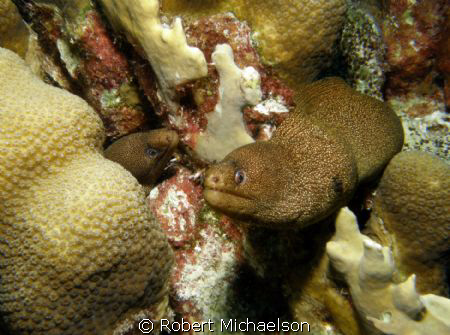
(79, 250)
(412, 203)
(195, 8)
(296, 35)
(13, 32)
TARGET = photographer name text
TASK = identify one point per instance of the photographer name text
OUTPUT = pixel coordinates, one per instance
(147, 326)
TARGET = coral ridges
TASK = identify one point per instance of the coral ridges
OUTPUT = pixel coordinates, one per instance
(208, 247)
(76, 39)
(297, 38)
(411, 214)
(80, 251)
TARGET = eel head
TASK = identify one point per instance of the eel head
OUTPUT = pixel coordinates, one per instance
(250, 184)
(144, 154)
(281, 186)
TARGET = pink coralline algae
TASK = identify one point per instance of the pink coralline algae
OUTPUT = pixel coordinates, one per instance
(204, 274)
(213, 277)
(176, 203)
(104, 64)
(109, 80)
(208, 247)
(415, 34)
(76, 39)
(394, 50)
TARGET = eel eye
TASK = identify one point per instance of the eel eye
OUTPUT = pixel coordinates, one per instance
(239, 177)
(151, 152)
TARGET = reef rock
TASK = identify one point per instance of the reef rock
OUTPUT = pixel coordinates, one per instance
(363, 49)
(77, 52)
(411, 31)
(203, 100)
(173, 60)
(80, 252)
(443, 60)
(212, 278)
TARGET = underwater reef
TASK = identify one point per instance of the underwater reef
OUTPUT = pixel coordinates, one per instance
(224, 166)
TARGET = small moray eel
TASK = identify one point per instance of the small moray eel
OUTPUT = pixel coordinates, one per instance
(144, 154)
(336, 139)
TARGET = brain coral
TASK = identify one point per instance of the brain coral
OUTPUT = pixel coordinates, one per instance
(79, 251)
(297, 36)
(413, 202)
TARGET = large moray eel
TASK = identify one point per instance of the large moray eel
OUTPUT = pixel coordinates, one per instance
(336, 139)
(144, 154)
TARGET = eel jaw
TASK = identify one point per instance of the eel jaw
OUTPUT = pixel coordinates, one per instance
(222, 193)
(230, 203)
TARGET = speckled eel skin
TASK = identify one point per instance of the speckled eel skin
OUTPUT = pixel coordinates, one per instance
(336, 139)
(144, 154)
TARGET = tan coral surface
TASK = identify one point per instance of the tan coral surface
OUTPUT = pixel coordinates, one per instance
(296, 36)
(13, 31)
(412, 206)
(79, 250)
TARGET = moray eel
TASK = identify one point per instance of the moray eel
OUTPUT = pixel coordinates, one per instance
(334, 140)
(144, 154)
